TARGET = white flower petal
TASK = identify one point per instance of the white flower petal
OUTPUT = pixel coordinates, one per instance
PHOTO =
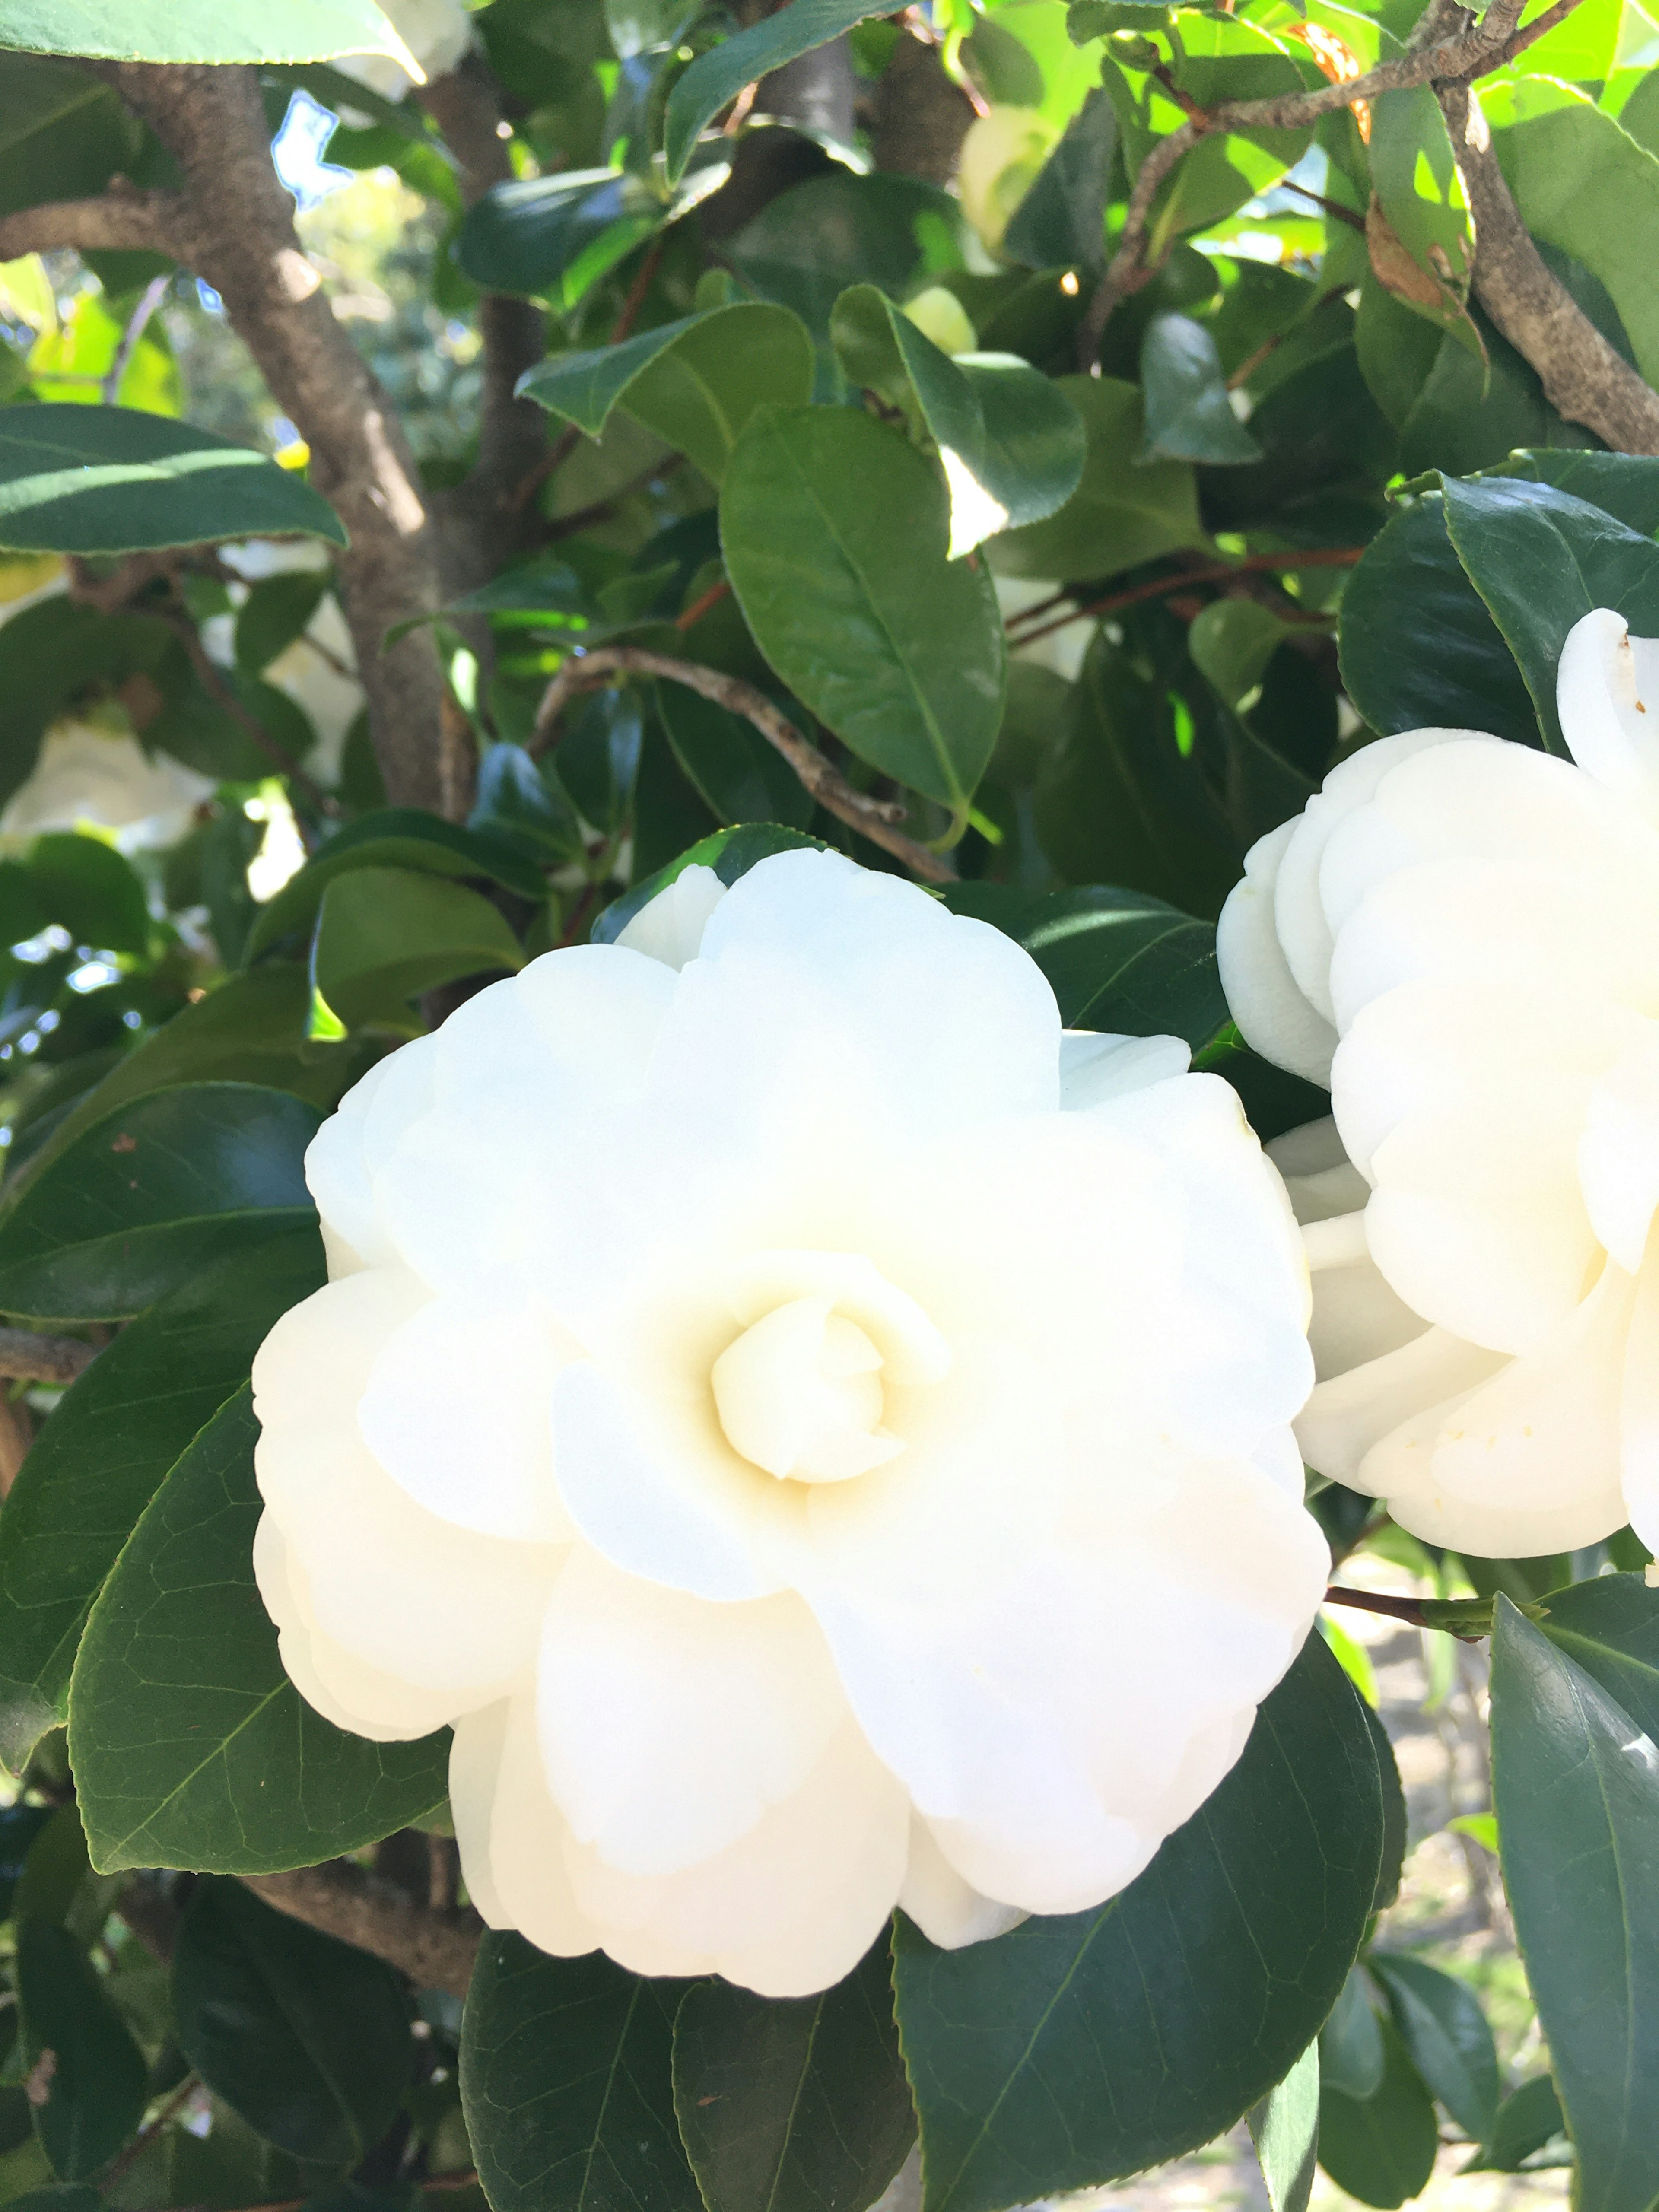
(1618, 1152)
(670, 926)
(362, 1699)
(1638, 1409)
(1270, 1009)
(1607, 692)
(948, 1911)
(1095, 1066)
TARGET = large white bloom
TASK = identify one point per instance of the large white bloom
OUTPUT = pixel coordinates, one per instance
(1461, 937)
(821, 1436)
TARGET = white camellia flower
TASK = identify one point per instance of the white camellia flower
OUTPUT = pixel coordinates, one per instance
(1460, 936)
(89, 773)
(436, 32)
(821, 1435)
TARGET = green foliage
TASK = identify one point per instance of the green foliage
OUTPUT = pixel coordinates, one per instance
(200, 30)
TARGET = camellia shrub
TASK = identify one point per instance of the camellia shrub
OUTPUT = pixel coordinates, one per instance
(816, 945)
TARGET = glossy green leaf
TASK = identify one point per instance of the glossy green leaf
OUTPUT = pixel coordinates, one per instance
(737, 773)
(808, 245)
(1624, 485)
(384, 934)
(1079, 2049)
(155, 1192)
(1120, 515)
(201, 30)
(554, 234)
(834, 530)
(1527, 2120)
(518, 805)
(105, 1451)
(305, 2037)
(191, 1745)
(1351, 2058)
(1459, 673)
(396, 837)
(19, 1825)
(792, 2105)
(1584, 184)
(94, 479)
(1610, 1627)
(1058, 223)
(1440, 2024)
(566, 2084)
(1415, 178)
(96, 2085)
(59, 1884)
(62, 134)
(1284, 2128)
(1541, 560)
(729, 853)
(1394, 1795)
(721, 75)
(1011, 441)
(1576, 1789)
(1118, 961)
(1380, 2148)
(1189, 415)
(87, 889)
(274, 613)
(694, 382)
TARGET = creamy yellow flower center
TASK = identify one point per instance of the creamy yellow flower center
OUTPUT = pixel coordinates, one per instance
(803, 1392)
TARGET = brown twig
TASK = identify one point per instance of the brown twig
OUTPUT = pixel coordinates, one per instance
(1469, 52)
(149, 301)
(873, 818)
(1255, 564)
(29, 1357)
(146, 2136)
(700, 606)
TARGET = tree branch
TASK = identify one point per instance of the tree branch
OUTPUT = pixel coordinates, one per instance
(1217, 572)
(29, 1357)
(121, 220)
(873, 818)
(1468, 53)
(435, 1950)
(1584, 379)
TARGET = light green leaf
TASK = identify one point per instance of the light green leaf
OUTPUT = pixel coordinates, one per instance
(1576, 1788)
(305, 2037)
(566, 2084)
(90, 890)
(1284, 2128)
(94, 2091)
(1075, 2050)
(191, 1745)
(721, 75)
(1584, 184)
(1526, 2121)
(1011, 441)
(1610, 1627)
(113, 480)
(1541, 560)
(202, 30)
(1351, 2058)
(1120, 515)
(384, 934)
(1058, 223)
(694, 382)
(1188, 414)
(157, 1191)
(1415, 176)
(105, 1453)
(792, 2105)
(833, 530)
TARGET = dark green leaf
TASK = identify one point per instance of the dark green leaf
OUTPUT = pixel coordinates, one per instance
(694, 382)
(62, 134)
(1058, 223)
(1012, 443)
(161, 1188)
(1610, 1627)
(1541, 560)
(1350, 2041)
(1576, 1789)
(792, 2105)
(59, 1884)
(304, 2036)
(104, 1452)
(276, 613)
(1442, 2027)
(721, 74)
(1393, 1796)
(86, 887)
(191, 1745)
(729, 853)
(399, 837)
(567, 2085)
(19, 1826)
(93, 479)
(808, 245)
(739, 776)
(201, 30)
(1118, 961)
(94, 2085)
(1120, 515)
(834, 530)
(1284, 2128)
(518, 805)
(1526, 2122)
(1076, 2049)
(1459, 673)
(1189, 415)
(1380, 2148)
(548, 233)
(384, 934)
(1624, 485)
